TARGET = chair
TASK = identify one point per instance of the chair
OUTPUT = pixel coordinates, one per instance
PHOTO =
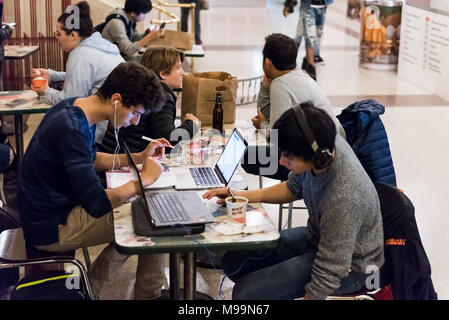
(406, 273)
(15, 253)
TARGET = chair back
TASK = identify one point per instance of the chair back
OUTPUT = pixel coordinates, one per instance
(406, 268)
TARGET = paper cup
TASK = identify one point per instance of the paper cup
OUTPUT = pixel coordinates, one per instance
(39, 83)
(236, 209)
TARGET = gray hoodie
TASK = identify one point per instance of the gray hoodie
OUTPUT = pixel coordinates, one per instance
(115, 31)
(87, 67)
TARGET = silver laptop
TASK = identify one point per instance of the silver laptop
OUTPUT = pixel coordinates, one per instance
(214, 177)
(170, 208)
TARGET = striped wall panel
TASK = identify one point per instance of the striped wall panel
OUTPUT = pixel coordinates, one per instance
(36, 25)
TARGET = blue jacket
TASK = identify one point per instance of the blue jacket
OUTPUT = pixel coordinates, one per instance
(366, 134)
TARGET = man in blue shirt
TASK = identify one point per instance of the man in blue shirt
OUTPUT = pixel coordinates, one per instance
(62, 204)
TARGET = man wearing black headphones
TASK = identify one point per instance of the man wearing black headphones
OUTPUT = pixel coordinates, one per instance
(343, 240)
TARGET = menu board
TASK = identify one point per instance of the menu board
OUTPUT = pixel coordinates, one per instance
(424, 46)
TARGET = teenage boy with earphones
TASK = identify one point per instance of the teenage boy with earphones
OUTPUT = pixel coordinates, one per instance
(343, 240)
(62, 204)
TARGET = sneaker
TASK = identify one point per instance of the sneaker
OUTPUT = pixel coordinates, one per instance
(304, 64)
(311, 71)
(318, 59)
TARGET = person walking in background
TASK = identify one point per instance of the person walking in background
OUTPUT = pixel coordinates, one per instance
(312, 15)
(185, 16)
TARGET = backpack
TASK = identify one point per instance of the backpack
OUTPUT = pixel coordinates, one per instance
(130, 27)
(52, 285)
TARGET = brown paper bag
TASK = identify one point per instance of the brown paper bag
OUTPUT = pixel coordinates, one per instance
(176, 39)
(199, 90)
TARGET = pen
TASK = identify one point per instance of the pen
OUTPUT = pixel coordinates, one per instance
(152, 140)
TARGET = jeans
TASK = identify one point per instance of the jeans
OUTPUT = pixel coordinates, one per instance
(280, 273)
(185, 16)
(310, 25)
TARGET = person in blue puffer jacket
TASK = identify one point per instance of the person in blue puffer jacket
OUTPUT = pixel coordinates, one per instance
(367, 136)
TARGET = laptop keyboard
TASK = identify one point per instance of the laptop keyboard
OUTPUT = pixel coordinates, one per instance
(168, 208)
(204, 176)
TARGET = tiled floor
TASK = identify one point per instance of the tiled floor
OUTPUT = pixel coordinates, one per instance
(416, 120)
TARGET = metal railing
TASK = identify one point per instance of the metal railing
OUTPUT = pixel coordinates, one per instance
(248, 90)
(160, 5)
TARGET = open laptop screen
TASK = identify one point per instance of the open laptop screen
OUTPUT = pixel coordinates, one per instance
(136, 177)
(231, 156)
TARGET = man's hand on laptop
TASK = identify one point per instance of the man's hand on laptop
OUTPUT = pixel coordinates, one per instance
(220, 193)
(151, 171)
(155, 149)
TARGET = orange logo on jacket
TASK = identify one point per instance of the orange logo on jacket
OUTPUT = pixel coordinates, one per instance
(395, 242)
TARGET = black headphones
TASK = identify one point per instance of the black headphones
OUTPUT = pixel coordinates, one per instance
(323, 157)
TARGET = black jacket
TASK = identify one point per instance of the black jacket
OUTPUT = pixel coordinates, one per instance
(5, 33)
(159, 125)
(406, 267)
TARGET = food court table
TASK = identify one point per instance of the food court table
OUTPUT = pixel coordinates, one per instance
(15, 52)
(18, 103)
(127, 242)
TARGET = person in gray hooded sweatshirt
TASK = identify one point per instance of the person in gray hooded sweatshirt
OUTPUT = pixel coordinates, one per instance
(91, 59)
(125, 35)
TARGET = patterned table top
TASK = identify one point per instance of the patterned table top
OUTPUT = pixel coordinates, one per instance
(21, 102)
(19, 52)
(129, 243)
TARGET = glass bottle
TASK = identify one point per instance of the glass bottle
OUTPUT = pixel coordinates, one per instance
(217, 122)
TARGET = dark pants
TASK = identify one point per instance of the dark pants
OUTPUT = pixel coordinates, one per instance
(280, 273)
(185, 17)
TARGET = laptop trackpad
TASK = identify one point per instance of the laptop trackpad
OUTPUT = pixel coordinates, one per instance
(142, 225)
(194, 206)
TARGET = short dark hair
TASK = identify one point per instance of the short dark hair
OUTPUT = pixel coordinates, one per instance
(138, 6)
(86, 26)
(136, 84)
(291, 138)
(281, 50)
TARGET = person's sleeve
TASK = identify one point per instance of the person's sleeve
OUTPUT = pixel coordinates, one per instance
(294, 184)
(338, 234)
(117, 31)
(5, 33)
(56, 76)
(76, 151)
(137, 36)
(163, 125)
(78, 81)
(280, 100)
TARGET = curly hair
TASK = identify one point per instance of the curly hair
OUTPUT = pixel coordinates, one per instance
(136, 84)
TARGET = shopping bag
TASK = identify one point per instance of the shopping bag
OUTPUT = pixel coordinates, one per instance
(199, 90)
(172, 38)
